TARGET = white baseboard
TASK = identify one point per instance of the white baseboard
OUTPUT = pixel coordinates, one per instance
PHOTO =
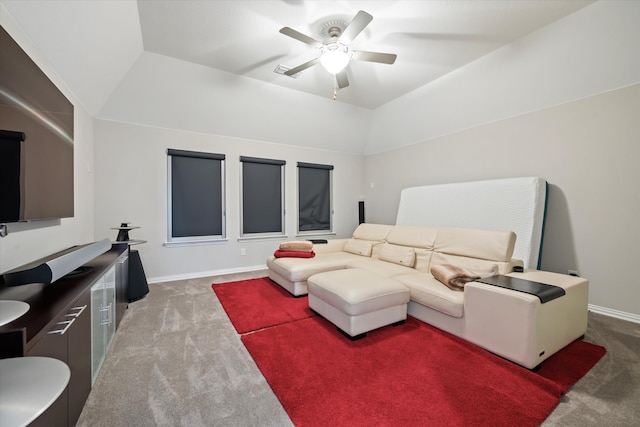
(161, 279)
(630, 317)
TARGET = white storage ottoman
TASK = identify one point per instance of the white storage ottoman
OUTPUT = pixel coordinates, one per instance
(357, 301)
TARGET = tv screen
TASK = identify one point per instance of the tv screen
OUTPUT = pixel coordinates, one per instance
(36, 140)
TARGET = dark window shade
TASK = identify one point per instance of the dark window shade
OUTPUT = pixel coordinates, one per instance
(196, 154)
(196, 194)
(246, 159)
(261, 196)
(314, 166)
(314, 197)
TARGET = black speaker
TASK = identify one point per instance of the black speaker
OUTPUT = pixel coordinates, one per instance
(51, 268)
(137, 286)
(360, 212)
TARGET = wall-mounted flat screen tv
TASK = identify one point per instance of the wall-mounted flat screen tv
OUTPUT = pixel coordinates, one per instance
(36, 140)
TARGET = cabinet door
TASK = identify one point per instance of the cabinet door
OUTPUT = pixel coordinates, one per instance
(103, 319)
(97, 331)
(53, 345)
(109, 322)
(79, 356)
(122, 284)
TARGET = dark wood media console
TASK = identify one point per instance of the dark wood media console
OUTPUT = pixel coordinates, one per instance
(67, 320)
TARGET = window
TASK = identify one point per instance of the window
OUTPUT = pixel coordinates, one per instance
(196, 196)
(262, 196)
(314, 197)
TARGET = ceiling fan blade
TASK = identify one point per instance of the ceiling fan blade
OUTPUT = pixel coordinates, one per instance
(342, 80)
(287, 31)
(301, 67)
(355, 27)
(383, 58)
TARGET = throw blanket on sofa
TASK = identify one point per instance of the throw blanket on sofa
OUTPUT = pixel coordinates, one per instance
(453, 277)
(293, 254)
(298, 246)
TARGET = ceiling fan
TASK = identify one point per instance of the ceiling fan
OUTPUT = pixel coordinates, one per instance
(334, 49)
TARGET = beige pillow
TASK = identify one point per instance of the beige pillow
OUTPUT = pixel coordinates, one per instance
(297, 246)
(398, 254)
(358, 247)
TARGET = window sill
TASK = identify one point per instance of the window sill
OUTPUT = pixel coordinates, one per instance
(315, 234)
(194, 243)
(272, 237)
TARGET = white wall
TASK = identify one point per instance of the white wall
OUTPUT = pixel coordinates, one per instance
(587, 150)
(131, 186)
(562, 104)
(27, 242)
(171, 93)
(593, 50)
(169, 103)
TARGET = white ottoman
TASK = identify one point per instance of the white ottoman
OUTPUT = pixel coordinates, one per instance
(357, 301)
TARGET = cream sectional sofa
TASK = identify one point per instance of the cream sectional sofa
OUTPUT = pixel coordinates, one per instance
(511, 324)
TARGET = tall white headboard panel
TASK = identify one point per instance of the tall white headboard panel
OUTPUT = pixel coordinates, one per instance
(516, 204)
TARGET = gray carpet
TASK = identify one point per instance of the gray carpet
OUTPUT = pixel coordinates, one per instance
(177, 361)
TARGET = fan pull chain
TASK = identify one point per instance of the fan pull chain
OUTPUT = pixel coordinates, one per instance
(335, 93)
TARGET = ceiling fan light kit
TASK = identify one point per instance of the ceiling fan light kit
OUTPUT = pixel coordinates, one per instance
(335, 57)
(335, 54)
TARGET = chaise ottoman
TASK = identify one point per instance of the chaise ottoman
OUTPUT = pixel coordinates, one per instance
(357, 301)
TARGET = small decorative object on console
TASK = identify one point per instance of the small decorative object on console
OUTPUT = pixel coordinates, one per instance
(123, 234)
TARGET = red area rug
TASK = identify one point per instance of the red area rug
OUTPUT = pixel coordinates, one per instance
(413, 374)
(259, 303)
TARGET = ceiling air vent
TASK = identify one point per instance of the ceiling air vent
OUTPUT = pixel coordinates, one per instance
(281, 69)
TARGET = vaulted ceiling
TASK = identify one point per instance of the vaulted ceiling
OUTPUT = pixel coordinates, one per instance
(431, 38)
(94, 44)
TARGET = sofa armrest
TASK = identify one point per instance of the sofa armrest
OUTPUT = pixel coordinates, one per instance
(333, 245)
(517, 326)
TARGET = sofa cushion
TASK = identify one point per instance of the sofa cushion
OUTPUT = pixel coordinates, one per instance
(402, 255)
(426, 290)
(414, 236)
(382, 268)
(475, 243)
(376, 232)
(358, 247)
(299, 269)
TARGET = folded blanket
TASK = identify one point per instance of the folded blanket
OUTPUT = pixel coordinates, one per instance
(298, 246)
(453, 277)
(293, 254)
